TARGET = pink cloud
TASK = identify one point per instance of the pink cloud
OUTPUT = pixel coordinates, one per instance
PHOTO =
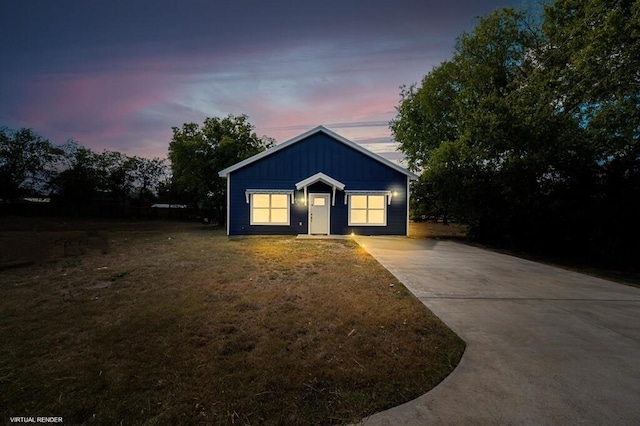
(132, 106)
(343, 102)
(98, 109)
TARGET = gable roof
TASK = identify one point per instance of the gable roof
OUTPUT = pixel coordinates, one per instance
(320, 177)
(318, 129)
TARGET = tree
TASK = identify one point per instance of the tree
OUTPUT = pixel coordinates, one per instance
(117, 175)
(31, 166)
(80, 180)
(462, 128)
(530, 132)
(428, 116)
(149, 173)
(27, 162)
(594, 58)
(197, 154)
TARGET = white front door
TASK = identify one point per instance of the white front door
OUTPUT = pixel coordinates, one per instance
(319, 214)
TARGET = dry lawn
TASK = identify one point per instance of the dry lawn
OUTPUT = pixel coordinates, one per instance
(437, 230)
(156, 323)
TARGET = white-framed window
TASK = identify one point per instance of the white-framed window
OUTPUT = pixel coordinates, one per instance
(269, 208)
(367, 210)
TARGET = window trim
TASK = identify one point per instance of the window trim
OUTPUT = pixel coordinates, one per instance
(386, 202)
(249, 196)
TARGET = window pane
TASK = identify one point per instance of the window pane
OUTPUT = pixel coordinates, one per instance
(279, 200)
(318, 201)
(279, 216)
(359, 201)
(260, 200)
(376, 201)
(358, 216)
(376, 217)
(261, 215)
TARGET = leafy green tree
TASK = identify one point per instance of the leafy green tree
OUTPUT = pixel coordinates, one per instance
(594, 58)
(197, 154)
(530, 132)
(27, 163)
(428, 116)
(461, 127)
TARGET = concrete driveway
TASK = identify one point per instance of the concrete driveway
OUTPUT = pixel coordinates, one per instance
(545, 346)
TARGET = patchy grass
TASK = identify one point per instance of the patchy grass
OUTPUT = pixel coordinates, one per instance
(156, 323)
(437, 230)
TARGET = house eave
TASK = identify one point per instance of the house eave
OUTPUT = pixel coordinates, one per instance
(319, 129)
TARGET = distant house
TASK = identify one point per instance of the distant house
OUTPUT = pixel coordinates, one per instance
(168, 206)
(318, 183)
(38, 200)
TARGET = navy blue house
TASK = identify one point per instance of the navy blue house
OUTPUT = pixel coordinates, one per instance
(317, 183)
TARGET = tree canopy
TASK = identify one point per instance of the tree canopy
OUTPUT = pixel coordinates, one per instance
(198, 153)
(83, 180)
(72, 174)
(27, 162)
(529, 133)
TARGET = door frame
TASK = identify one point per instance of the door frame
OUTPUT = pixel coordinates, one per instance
(327, 203)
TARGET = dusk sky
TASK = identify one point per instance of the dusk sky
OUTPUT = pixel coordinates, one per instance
(117, 75)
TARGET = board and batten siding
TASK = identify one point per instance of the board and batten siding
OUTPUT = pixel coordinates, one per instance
(317, 153)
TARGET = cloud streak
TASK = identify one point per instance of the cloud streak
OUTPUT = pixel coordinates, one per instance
(356, 124)
(118, 75)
